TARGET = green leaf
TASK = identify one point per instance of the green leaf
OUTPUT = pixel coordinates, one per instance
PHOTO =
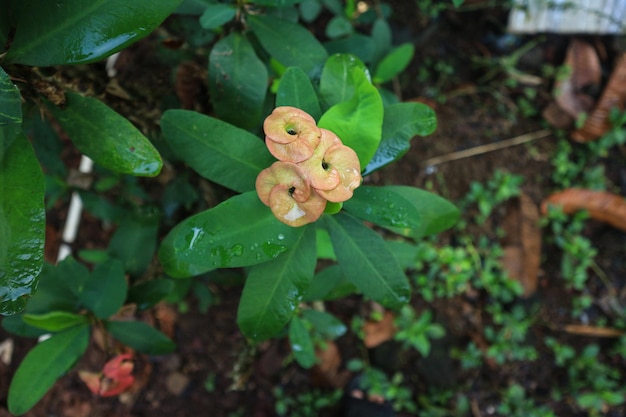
(337, 83)
(437, 214)
(218, 151)
(382, 207)
(215, 15)
(148, 293)
(106, 137)
(135, 239)
(327, 325)
(393, 63)
(381, 37)
(310, 10)
(358, 121)
(405, 252)
(324, 245)
(22, 222)
(277, 3)
(240, 231)
(337, 27)
(329, 284)
(105, 288)
(401, 123)
(237, 81)
(15, 324)
(356, 44)
(55, 321)
(59, 287)
(74, 32)
(295, 89)
(367, 262)
(302, 50)
(141, 337)
(301, 343)
(10, 104)
(274, 289)
(43, 365)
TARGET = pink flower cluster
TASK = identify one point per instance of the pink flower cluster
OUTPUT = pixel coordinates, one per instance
(313, 167)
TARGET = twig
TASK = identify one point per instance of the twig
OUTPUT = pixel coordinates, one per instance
(478, 150)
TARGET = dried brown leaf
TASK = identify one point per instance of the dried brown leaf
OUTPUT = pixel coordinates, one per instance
(602, 205)
(584, 330)
(377, 332)
(326, 371)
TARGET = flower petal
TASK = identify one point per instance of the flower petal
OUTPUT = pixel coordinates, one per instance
(282, 173)
(321, 174)
(346, 162)
(287, 124)
(295, 213)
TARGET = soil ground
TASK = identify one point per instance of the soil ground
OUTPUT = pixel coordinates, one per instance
(214, 372)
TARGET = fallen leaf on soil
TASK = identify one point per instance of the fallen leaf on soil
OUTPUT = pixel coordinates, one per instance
(115, 378)
(602, 206)
(522, 245)
(326, 372)
(586, 73)
(613, 96)
(377, 332)
(583, 330)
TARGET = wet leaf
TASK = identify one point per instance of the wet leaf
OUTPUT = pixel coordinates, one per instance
(601, 205)
(22, 220)
(383, 207)
(69, 32)
(106, 137)
(274, 289)
(141, 337)
(295, 90)
(401, 123)
(218, 151)
(241, 231)
(43, 365)
(358, 121)
(237, 82)
(366, 261)
(10, 106)
(309, 53)
(301, 343)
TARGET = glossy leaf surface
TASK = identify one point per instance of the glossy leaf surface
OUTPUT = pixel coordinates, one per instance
(10, 104)
(237, 81)
(241, 231)
(301, 343)
(383, 207)
(337, 82)
(218, 151)
(107, 137)
(366, 261)
(22, 220)
(358, 121)
(401, 123)
(289, 43)
(141, 337)
(436, 213)
(274, 289)
(74, 31)
(43, 365)
(295, 89)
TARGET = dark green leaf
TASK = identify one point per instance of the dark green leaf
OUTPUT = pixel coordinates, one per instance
(141, 337)
(72, 31)
(329, 284)
(401, 123)
(10, 104)
(337, 84)
(381, 37)
(106, 137)
(437, 213)
(366, 261)
(277, 3)
(134, 242)
(274, 289)
(148, 293)
(327, 325)
(324, 245)
(301, 343)
(55, 321)
(393, 63)
(237, 81)
(295, 89)
(358, 121)
(43, 365)
(218, 151)
(302, 49)
(5, 25)
(241, 231)
(16, 325)
(104, 291)
(215, 15)
(22, 222)
(383, 207)
(59, 287)
(357, 44)
(310, 9)
(405, 253)
(337, 27)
